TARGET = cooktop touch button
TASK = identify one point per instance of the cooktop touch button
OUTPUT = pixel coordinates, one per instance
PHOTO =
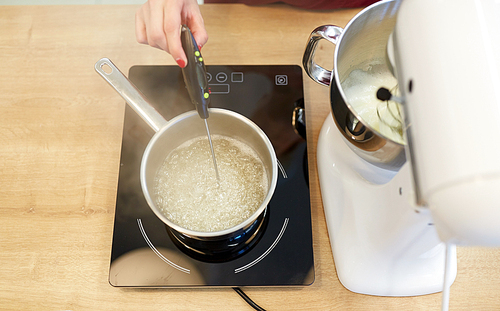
(237, 77)
(221, 77)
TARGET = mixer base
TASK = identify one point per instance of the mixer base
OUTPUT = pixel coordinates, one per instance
(382, 243)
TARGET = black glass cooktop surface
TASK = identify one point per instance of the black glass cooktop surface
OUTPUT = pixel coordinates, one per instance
(142, 253)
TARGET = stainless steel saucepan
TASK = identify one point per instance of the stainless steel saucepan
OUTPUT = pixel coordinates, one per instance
(209, 246)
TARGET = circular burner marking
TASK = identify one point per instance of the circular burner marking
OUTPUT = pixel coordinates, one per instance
(157, 252)
(256, 261)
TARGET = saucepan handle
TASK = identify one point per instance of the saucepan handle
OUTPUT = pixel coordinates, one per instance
(130, 93)
(319, 74)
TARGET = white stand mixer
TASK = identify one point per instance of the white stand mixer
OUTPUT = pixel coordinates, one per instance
(448, 73)
(382, 243)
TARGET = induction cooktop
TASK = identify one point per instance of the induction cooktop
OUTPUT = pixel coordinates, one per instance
(143, 255)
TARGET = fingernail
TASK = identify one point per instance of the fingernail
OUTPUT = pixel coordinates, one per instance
(199, 46)
(181, 62)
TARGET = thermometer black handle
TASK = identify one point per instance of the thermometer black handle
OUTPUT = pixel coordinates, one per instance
(195, 74)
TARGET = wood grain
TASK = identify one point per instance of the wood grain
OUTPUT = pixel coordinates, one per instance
(60, 139)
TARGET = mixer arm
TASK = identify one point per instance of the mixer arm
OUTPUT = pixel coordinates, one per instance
(447, 57)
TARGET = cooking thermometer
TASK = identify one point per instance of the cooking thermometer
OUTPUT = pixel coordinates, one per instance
(195, 74)
(195, 78)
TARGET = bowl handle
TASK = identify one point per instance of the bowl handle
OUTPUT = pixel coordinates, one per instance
(319, 74)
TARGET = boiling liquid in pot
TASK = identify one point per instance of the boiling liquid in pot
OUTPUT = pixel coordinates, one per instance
(188, 193)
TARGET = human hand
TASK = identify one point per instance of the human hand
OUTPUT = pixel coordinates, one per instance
(158, 22)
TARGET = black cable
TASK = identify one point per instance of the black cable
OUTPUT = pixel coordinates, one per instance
(247, 299)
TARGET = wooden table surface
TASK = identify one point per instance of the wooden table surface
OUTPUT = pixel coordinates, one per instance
(60, 139)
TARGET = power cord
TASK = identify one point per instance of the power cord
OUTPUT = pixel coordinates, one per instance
(248, 300)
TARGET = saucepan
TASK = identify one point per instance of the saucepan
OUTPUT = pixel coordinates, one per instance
(209, 246)
(365, 38)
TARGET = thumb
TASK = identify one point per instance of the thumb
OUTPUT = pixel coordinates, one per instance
(199, 34)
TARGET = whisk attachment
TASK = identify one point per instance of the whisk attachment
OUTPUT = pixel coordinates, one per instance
(384, 94)
(389, 111)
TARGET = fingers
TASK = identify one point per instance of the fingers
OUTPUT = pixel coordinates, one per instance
(154, 29)
(158, 24)
(193, 19)
(172, 26)
(199, 32)
(175, 46)
(140, 27)
(149, 21)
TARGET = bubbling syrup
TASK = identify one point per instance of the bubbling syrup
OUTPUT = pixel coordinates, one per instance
(188, 193)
